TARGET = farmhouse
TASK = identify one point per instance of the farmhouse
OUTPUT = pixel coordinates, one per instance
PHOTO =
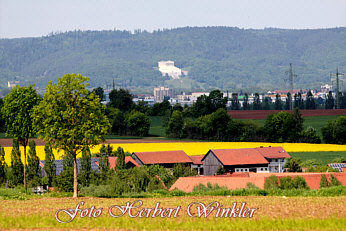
(164, 158)
(263, 159)
(276, 156)
(234, 160)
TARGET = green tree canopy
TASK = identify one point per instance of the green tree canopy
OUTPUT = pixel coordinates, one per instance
(69, 118)
(121, 99)
(17, 110)
(137, 123)
(175, 125)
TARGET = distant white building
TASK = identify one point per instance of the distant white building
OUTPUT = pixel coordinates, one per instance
(326, 88)
(11, 84)
(168, 68)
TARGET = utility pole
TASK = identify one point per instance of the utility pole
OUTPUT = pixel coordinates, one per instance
(335, 78)
(290, 79)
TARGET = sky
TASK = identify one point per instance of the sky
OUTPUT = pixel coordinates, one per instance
(35, 18)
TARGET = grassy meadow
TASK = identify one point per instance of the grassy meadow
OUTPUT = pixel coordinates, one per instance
(274, 213)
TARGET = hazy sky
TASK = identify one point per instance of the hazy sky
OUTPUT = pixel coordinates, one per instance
(27, 18)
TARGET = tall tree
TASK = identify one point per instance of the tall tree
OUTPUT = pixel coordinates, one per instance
(216, 100)
(257, 102)
(329, 101)
(100, 92)
(17, 111)
(288, 100)
(49, 164)
(310, 102)
(69, 118)
(296, 103)
(137, 123)
(278, 105)
(3, 165)
(65, 180)
(16, 164)
(298, 119)
(266, 105)
(175, 125)
(121, 99)
(86, 167)
(235, 105)
(300, 101)
(33, 162)
(120, 160)
(246, 102)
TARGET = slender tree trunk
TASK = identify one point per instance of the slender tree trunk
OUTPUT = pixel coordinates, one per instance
(25, 167)
(75, 183)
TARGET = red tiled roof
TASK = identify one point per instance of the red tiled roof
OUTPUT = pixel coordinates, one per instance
(163, 157)
(312, 179)
(273, 152)
(239, 156)
(197, 159)
(113, 160)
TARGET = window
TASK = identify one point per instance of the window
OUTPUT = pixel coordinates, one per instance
(261, 169)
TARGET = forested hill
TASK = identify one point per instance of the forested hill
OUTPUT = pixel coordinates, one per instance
(222, 57)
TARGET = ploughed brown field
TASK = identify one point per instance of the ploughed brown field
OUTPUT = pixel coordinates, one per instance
(262, 114)
(272, 213)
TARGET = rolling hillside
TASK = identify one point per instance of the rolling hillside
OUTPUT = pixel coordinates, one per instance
(221, 57)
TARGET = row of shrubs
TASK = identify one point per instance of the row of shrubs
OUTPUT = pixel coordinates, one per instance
(200, 190)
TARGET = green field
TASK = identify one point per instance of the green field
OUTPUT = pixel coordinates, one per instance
(316, 122)
(325, 157)
(156, 128)
(273, 213)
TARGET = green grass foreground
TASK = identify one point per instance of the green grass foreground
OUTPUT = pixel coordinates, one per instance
(274, 213)
(102, 192)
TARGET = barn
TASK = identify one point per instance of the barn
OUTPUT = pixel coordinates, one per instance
(234, 160)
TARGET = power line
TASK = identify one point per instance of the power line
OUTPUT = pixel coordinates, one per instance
(290, 79)
(335, 78)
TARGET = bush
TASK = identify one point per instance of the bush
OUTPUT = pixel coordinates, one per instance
(335, 130)
(250, 185)
(286, 182)
(293, 165)
(310, 136)
(177, 193)
(299, 182)
(220, 170)
(98, 191)
(271, 182)
(334, 181)
(324, 182)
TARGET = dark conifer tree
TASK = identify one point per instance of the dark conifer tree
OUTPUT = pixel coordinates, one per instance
(49, 164)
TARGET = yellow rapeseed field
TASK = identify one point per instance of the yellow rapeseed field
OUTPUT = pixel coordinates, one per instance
(195, 148)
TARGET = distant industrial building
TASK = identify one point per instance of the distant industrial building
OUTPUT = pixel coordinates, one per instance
(161, 92)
